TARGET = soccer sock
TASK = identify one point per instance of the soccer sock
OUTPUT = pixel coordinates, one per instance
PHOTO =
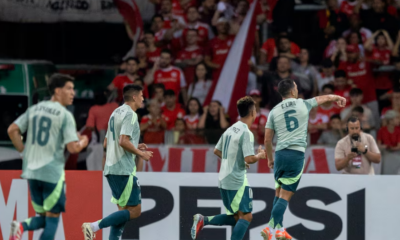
(220, 220)
(115, 219)
(34, 223)
(275, 200)
(277, 213)
(50, 229)
(240, 229)
(116, 231)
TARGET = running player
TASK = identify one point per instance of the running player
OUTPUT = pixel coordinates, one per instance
(289, 121)
(122, 146)
(235, 148)
(50, 128)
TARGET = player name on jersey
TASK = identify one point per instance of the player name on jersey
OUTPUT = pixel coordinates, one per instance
(288, 104)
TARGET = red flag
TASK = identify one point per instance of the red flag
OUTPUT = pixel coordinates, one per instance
(232, 82)
(130, 11)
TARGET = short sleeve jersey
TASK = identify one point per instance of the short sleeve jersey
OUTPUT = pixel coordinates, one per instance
(123, 121)
(236, 143)
(49, 126)
(289, 120)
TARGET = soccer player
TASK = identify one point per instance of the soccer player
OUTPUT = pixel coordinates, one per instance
(235, 148)
(122, 146)
(289, 121)
(50, 128)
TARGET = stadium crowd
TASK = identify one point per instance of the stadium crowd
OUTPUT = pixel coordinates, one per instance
(184, 48)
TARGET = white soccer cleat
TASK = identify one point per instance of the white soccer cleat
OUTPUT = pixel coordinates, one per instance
(198, 224)
(88, 232)
(16, 231)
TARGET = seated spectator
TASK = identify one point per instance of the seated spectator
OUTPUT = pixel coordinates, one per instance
(326, 76)
(334, 133)
(309, 86)
(329, 109)
(201, 84)
(268, 50)
(377, 18)
(193, 112)
(183, 136)
(331, 20)
(158, 93)
(379, 53)
(356, 26)
(317, 122)
(153, 125)
(358, 112)
(207, 10)
(355, 153)
(188, 58)
(356, 98)
(284, 50)
(171, 76)
(214, 121)
(389, 135)
(172, 110)
(269, 81)
(218, 48)
(99, 114)
(204, 33)
(395, 105)
(120, 81)
(153, 52)
(341, 87)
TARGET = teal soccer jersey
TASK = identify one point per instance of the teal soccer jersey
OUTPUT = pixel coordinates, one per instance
(236, 143)
(50, 126)
(123, 121)
(289, 120)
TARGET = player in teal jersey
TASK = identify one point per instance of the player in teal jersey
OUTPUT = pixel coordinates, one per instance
(50, 127)
(289, 121)
(122, 146)
(235, 148)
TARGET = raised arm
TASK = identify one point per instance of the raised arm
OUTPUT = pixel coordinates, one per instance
(388, 40)
(370, 41)
(341, 101)
(395, 50)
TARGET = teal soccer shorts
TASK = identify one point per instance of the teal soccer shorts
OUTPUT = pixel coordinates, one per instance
(288, 168)
(237, 200)
(47, 197)
(125, 190)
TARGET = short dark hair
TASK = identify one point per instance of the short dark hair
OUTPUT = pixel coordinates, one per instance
(335, 116)
(157, 16)
(158, 85)
(130, 90)
(358, 109)
(340, 73)
(140, 80)
(58, 80)
(356, 92)
(353, 120)
(330, 86)
(149, 32)
(193, 30)
(283, 37)
(166, 50)
(132, 59)
(200, 111)
(245, 105)
(285, 86)
(327, 63)
(169, 92)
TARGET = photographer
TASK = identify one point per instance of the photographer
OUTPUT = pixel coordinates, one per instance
(355, 152)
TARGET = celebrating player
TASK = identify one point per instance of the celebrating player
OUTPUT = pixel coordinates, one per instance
(122, 146)
(289, 120)
(50, 128)
(235, 148)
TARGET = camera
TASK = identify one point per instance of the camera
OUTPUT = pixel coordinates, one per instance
(354, 150)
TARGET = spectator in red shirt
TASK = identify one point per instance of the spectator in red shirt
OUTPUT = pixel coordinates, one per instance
(157, 26)
(172, 110)
(204, 32)
(341, 87)
(380, 52)
(183, 136)
(389, 135)
(153, 52)
(193, 112)
(348, 6)
(168, 15)
(268, 50)
(189, 57)
(218, 49)
(317, 123)
(153, 125)
(359, 73)
(158, 93)
(120, 81)
(284, 50)
(331, 20)
(171, 76)
(141, 55)
(356, 26)
(329, 108)
(326, 76)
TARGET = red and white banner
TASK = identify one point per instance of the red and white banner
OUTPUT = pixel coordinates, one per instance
(131, 13)
(202, 159)
(232, 82)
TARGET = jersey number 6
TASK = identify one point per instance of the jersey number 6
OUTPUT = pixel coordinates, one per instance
(289, 121)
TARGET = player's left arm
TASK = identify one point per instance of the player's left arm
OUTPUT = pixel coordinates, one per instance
(269, 135)
(341, 101)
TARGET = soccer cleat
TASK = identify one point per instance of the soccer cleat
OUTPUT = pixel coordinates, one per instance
(198, 224)
(282, 235)
(16, 231)
(266, 233)
(88, 232)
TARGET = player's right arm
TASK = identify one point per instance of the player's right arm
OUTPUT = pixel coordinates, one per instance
(341, 101)
(15, 129)
(218, 147)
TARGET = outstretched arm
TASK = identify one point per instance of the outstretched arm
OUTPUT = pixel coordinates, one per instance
(341, 101)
